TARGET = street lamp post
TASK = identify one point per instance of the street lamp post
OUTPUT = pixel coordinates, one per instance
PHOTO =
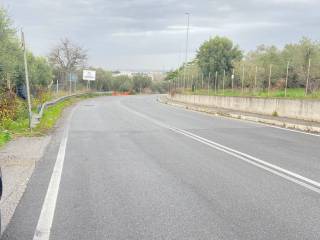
(187, 46)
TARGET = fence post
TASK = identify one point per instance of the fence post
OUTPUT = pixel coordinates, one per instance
(57, 86)
(308, 75)
(192, 83)
(287, 75)
(232, 79)
(242, 82)
(269, 80)
(201, 80)
(255, 79)
(209, 83)
(215, 83)
(224, 75)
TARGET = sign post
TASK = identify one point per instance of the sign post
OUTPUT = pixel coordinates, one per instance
(89, 76)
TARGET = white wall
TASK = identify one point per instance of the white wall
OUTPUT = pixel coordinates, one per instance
(300, 109)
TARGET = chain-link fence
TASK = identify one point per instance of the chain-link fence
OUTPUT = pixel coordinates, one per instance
(281, 80)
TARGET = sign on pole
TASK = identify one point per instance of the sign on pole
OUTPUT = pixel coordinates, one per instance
(89, 75)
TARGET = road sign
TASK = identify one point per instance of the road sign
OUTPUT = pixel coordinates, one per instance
(89, 75)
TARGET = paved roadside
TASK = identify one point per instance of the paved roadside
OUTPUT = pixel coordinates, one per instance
(18, 161)
(297, 124)
(133, 168)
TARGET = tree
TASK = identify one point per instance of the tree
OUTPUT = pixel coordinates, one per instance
(67, 57)
(172, 75)
(299, 54)
(122, 83)
(141, 82)
(103, 80)
(218, 54)
(262, 58)
(39, 70)
(10, 51)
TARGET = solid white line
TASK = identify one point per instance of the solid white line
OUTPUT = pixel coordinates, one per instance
(255, 159)
(293, 177)
(287, 129)
(43, 228)
(286, 174)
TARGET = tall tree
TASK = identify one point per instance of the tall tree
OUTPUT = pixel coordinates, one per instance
(218, 54)
(140, 82)
(67, 57)
(10, 52)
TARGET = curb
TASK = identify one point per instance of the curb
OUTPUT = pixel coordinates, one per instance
(282, 124)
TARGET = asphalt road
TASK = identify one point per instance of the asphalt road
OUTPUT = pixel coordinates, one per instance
(134, 168)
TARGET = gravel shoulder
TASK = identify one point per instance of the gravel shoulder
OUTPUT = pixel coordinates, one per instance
(18, 160)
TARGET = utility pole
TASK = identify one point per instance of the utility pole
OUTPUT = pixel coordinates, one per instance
(27, 77)
(287, 76)
(187, 45)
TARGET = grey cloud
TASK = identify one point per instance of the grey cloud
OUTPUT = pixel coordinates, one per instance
(118, 31)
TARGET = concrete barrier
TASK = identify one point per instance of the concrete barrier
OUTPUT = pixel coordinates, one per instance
(299, 108)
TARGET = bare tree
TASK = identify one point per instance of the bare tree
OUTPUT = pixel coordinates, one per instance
(67, 57)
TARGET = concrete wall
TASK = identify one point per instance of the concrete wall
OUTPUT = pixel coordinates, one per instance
(300, 109)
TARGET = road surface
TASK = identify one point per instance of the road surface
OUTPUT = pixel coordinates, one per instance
(133, 168)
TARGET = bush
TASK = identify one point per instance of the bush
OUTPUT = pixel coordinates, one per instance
(8, 106)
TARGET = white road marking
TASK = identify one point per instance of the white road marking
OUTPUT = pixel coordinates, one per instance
(43, 228)
(288, 129)
(284, 173)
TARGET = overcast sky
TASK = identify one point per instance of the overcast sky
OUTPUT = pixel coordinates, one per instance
(150, 34)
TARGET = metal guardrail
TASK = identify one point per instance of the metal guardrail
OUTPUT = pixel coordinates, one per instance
(37, 117)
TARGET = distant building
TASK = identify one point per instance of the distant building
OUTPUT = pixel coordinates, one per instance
(154, 75)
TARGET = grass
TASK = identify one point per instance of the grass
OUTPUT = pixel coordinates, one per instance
(292, 93)
(20, 127)
(52, 114)
(4, 137)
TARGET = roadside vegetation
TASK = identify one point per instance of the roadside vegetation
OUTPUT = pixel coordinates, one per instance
(222, 67)
(52, 76)
(292, 93)
(19, 126)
